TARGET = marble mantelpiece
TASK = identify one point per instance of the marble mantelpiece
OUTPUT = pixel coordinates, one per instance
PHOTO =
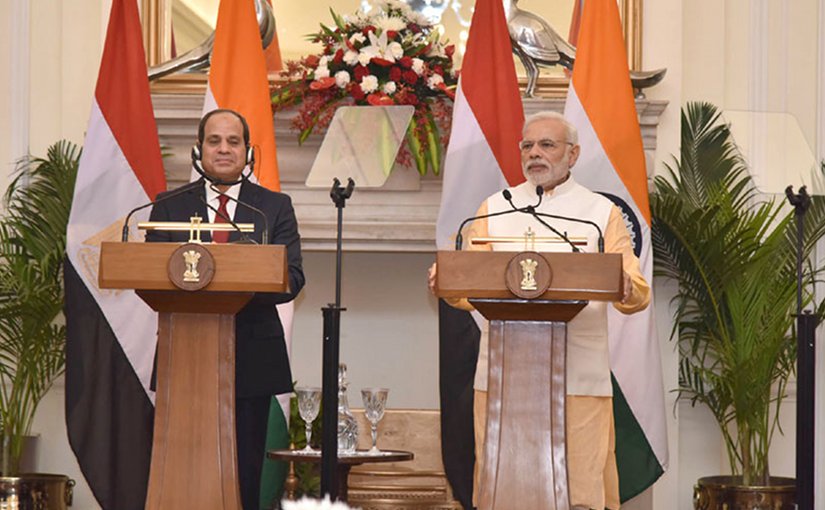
(399, 217)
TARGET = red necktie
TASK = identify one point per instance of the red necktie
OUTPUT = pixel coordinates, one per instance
(221, 217)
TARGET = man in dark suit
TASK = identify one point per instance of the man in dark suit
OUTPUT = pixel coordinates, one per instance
(261, 362)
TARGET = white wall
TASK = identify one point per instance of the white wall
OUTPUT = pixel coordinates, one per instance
(389, 332)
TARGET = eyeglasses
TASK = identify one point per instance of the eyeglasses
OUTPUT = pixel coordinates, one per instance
(544, 144)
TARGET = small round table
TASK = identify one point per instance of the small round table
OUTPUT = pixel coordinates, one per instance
(344, 463)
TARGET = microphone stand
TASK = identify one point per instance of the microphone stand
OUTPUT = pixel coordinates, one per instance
(806, 323)
(332, 340)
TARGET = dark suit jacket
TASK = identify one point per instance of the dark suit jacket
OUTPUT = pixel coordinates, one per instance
(261, 362)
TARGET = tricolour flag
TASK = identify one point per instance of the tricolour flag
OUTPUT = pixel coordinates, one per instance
(238, 81)
(111, 334)
(482, 158)
(600, 103)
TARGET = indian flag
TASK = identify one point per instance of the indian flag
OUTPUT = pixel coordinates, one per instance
(238, 81)
(600, 103)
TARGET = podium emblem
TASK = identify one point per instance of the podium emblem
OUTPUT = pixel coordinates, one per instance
(528, 272)
(191, 267)
(528, 275)
(191, 258)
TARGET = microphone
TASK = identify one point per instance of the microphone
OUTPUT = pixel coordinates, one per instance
(531, 210)
(183, 189)
(265, 233)
(459, 239)
(244, 237)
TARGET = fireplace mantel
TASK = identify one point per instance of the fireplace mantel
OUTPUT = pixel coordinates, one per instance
(400, 217)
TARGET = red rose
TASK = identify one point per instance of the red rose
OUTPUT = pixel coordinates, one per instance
(322, 83)
(438, 70)
(359, 72)
(367, 29)
(405, 62)
(449, 50)
(356, 92)
(391, 34)
(380, 62)
(379, 99)
(339, 56)
(395, 73)
(313, 60)
(410, 77)
(414, 28)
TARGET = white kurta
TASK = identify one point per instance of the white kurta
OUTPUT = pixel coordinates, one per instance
(588, 364)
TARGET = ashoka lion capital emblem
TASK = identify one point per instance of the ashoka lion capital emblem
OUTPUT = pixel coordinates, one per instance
(191, 259)
(528, 272)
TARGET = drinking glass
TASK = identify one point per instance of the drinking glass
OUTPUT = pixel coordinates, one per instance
(309, 404)
(375, 400)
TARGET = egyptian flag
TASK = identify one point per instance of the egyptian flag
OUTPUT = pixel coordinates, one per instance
(238, 81)
(600, 103)
(482, 158)
(111, 335)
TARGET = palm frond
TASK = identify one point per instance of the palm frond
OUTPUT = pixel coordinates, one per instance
(732, 254)
(32, 247)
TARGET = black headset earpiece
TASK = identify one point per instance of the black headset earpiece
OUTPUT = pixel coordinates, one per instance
(250, 154)
(197, 153)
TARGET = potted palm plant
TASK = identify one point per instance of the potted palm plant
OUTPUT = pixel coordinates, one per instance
(32, 335)
(733, 255)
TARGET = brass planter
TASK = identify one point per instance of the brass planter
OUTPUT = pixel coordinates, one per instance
(35, 491)
(728, 493)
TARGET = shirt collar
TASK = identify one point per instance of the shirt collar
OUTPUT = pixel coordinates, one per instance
(212, 195)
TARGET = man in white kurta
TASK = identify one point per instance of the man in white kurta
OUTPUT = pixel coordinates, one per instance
(549, 149)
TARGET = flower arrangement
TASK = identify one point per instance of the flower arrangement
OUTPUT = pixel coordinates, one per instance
(390, 56)
(314, 504)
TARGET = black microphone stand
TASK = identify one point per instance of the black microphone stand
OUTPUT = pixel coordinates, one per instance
(806, 323)
(332, 339)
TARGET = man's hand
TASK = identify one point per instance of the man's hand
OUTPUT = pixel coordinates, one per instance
(628, 287)
(431, 272)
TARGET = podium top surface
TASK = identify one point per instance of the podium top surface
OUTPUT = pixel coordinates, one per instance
(575, 276)
(238, 267)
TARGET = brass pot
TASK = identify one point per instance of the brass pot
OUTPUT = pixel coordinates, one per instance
(728, 493)
(35, 491)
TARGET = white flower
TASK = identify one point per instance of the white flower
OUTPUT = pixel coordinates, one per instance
(396, 50)
(380, 47)
(369, 84)
(418, 66)
(351, 57)
(391, 23)
(436, 50)
(366, 55)
(323, 61)
(321, 72)
(389, 88)
(434, 80)
(341, 78)
(419, 19)
(306, 503)
(357, 37)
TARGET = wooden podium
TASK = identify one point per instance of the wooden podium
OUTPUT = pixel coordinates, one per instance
(194, 458)
(525, 448)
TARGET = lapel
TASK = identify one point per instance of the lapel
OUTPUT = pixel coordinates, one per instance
(197, 204)
(248, 195)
